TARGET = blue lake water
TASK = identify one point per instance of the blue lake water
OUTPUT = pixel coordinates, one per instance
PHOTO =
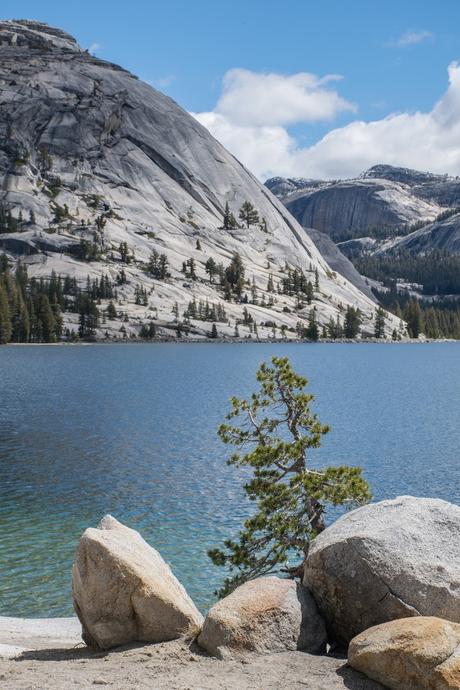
(131, 430)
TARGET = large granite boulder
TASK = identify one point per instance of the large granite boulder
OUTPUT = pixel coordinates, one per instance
(263, 616)
(123, 590)
(410, 654)
(387, 560)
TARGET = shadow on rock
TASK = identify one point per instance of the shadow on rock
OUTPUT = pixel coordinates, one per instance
(357, 681)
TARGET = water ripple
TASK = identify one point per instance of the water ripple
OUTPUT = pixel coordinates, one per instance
(131, 430)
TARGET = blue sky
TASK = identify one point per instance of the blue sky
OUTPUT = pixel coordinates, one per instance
(392, 58)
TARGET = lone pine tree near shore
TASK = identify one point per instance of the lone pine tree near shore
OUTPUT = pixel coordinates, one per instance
(278, 427)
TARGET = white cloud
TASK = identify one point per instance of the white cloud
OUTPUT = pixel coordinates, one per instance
(412, 37)
(424, 140)
(249, 98)
(94, 47)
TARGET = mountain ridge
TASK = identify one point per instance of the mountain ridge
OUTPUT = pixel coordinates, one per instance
(390, 204)
(90, 154)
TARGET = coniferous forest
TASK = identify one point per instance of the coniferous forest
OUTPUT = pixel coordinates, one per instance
(31, 308)
(436, 319)
(436, 312)
(438, 271)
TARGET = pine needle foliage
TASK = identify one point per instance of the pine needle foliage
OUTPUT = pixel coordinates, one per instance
(276, 430)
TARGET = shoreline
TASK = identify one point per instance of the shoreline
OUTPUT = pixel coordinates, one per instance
(238, 341)
(18, 634)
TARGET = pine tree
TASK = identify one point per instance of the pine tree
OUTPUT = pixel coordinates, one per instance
(5, 317)
(124, 253)
(211, 268)
(20, 321)
(147, 331)
(413, 316)
(111, 311)
(247, 317)
(276, 431)
(312, 330)
(121, 277)
(229, 219)
(198, 245)
(214, 333)
(352, 322)
(47, 321)
(248, 214)
(431, 323)
(234, 274)
(254, 298)
(316, 280)
(191, 268)
(379, 325)
(158, 265)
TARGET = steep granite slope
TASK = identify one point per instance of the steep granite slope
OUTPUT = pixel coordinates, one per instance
(443, 235)
(92, 158)
(338, 261)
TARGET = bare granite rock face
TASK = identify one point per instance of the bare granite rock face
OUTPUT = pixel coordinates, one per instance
(394, 559)
(440, 189)
(410, 654)
(25, 33)
(385, 199)
(345, 209)
(123, 590)
(443, 235)
(90, 153)
(351, 208)
(339, 262)
(262, 616)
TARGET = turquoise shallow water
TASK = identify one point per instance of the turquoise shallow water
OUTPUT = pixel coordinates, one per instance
(131, 430)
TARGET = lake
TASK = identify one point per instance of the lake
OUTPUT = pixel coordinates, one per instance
(131, 430)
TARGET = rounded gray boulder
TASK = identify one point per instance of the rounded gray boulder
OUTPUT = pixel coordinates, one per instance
(387, 560)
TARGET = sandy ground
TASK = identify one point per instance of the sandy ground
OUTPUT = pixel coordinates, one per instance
(48, 655)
